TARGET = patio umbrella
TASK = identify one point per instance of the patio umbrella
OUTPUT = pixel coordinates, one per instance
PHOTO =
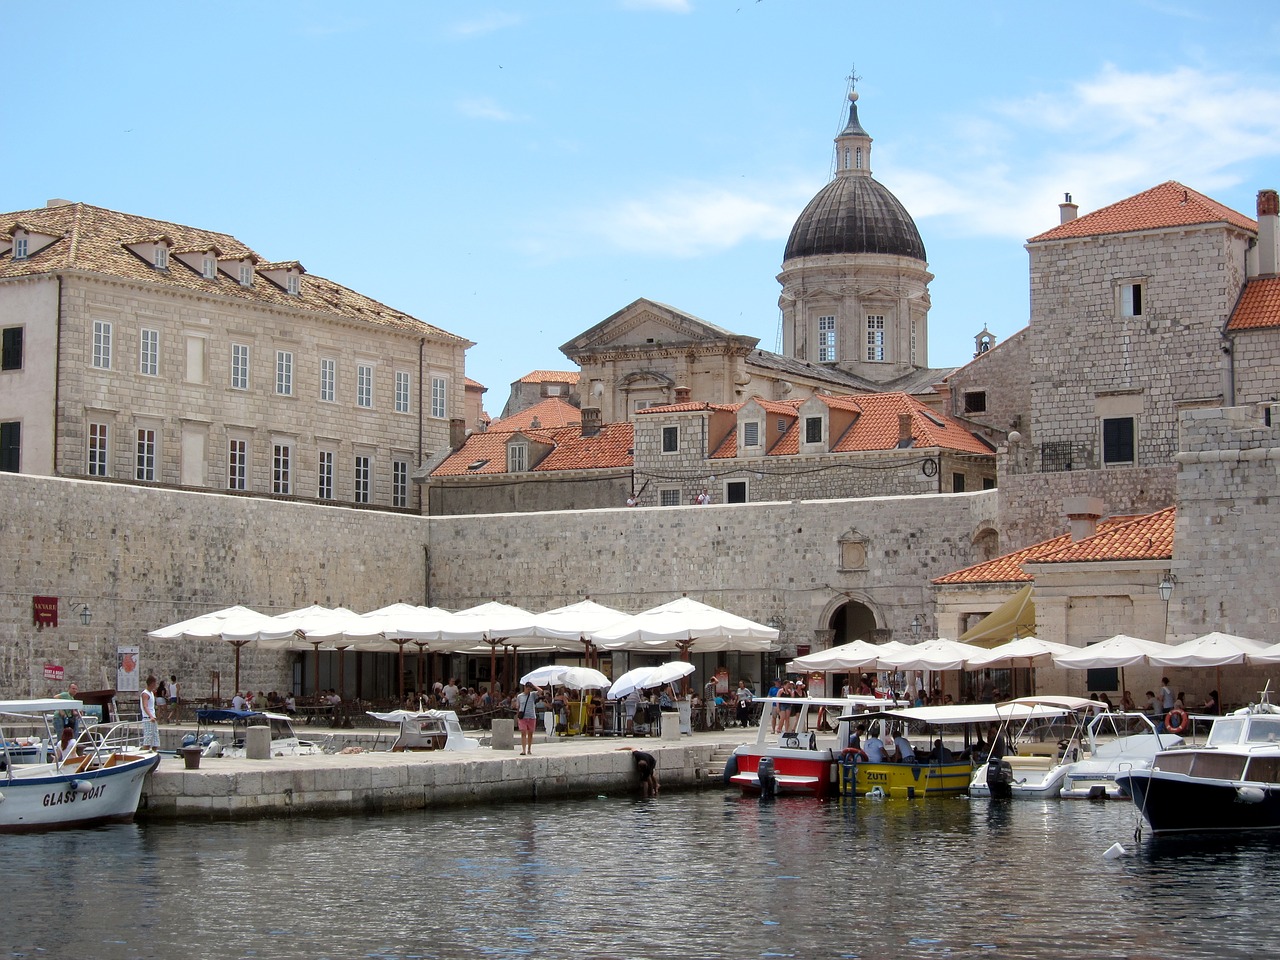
(1023, 652)
(491, 623)
(686, 626)
(856, 655)
(577, 678)
(938, 654)
(237, 626)
(577, 622)
(1215, 650)
(1118, 651)
(645, 678)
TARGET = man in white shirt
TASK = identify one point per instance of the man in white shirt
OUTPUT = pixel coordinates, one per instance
(238, 702)
(150, 727)
(451, 693)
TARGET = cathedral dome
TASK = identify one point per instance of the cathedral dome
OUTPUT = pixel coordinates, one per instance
(854, 214)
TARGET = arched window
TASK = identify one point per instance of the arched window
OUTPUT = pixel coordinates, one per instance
(858, 161)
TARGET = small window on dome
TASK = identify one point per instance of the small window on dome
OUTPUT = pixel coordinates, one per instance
(858, 158)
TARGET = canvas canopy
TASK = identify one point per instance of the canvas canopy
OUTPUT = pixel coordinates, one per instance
(1014, 618)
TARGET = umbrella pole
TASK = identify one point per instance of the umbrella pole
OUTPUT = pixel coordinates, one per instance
(493, 662)
(237, 646)
(400, 671)
(342, 672)
(316, 648)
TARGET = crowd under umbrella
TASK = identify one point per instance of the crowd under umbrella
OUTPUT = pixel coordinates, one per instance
(1119, 652)
(1025, 652)
(494, 624)
(237, 626)
(646, 678)
(398, 625)
(1216, 650)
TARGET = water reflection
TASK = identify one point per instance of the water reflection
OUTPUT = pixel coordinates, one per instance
(687, 876)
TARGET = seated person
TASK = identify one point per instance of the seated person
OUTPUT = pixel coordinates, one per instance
(238, 702)
(998, 746)
(940, 753)
(67, 747)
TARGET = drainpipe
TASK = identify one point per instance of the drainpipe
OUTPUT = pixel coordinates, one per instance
(57, 373)
(422, 347)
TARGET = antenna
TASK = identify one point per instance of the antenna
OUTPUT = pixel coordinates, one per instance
(851, 82)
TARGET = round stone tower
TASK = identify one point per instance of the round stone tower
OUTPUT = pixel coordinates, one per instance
(855, 282)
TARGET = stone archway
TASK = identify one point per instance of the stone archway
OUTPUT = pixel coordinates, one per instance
(853, 621)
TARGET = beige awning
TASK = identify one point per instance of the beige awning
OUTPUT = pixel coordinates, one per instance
(1014, 618)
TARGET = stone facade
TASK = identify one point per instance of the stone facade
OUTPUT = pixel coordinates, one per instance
(994, 390)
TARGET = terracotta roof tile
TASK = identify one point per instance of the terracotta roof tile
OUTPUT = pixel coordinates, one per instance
(92, 239)
(550, 413)
(877, 427)
(550, 376)
(1259, 305)
(1168, 205)
(468, 382)
(690, 406)
(486, 453)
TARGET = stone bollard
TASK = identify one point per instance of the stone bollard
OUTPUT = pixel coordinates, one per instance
(503, 734)
(257, 743)
(670, 726)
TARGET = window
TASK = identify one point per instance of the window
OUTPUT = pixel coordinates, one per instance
(988, 483)
(284, 373)
(669, 497)
(827, 340)
(362, 479)
(1117, 440)
(11, 349)
(209, 268)
(957, 483)
(403, 382)
(782, 425)
(328, 379)
(517, 457)
(751, 433)
(196, 360)
(162, 257)
(735, 491)
(10, 446)
(875, 337)
(858, 162)
(281, 468)
(399, 483)
(671, 440)
(20, 248)
(846, 158)
(364, 385)
(146, 461)
(975, 401)
(149, 353)
(293, 285)
(99, 450)
(812, 429)
(439, 409)
(246, 275)
(324, 485)
(102, 344)
(237, 464)
(1130, 299)
(239, 366)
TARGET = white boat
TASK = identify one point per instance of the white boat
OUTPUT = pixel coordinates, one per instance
(221, 733)
(797, 760)
(427, 730)
(1113, 748)
(101, 783)
(1230, 783)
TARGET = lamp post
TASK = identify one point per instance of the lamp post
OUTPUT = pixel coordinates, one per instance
(1165, 586)
(917, 626)
(86, 615)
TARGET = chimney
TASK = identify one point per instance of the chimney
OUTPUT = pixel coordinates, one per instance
(905, 438)
(1083, 513)
(457, 433)
(590, 421)
(1268, 220)
(682, 395)
(57, 203)
(1067, 210)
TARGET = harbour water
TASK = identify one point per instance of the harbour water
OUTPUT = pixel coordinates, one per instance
(689, 875)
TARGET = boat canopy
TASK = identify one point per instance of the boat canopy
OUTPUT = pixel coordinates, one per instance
(44, 705)
(225, 716)
(970, 713)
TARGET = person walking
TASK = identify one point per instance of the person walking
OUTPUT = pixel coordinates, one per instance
(150, 726)
(527, 717)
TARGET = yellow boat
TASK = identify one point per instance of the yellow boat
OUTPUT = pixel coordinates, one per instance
(906, 781)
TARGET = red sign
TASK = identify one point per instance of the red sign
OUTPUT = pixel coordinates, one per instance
(52, 672)
(44, 611)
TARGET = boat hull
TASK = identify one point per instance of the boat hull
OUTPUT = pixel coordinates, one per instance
(905, 780)
(1174, 803)
(49, 800)
(795, 772)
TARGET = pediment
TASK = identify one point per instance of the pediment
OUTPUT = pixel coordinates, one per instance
(647, 323)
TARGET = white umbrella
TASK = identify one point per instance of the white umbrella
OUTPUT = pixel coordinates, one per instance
(204, 626)
(938, 654)
(644, 678)
(549, 674)
(1023, 652)
(856, 655)
(1269, 654)
(686, 626)
(1211, 650)
(1117, 651)
(577, 621)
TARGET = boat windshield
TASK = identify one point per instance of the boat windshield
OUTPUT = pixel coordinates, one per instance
(1264, 729)
(1226, 731)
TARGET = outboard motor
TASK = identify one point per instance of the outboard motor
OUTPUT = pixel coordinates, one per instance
(1000, 778)
(768, 779)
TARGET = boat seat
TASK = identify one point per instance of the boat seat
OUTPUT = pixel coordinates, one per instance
(1032, 763)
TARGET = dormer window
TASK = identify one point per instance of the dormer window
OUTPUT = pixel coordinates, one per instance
(246, 275)
(812, 429)
(517, 457)
(161, 259)
(209, 268)
(20, 248)
(293, 285)
(751, 433)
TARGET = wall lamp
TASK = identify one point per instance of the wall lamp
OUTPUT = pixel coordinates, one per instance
(86, 615)
(1165, 586)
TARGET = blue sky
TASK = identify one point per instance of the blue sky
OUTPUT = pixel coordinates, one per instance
(516, 172)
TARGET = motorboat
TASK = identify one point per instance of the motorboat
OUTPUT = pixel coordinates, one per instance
(427, 730)
(1232, 782)
(1115, 744)
(796, 760)
(99, 782)
(222, 733)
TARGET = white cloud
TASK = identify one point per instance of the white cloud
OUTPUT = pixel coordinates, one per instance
(491, 23)
(484, 108)
(1108, 137)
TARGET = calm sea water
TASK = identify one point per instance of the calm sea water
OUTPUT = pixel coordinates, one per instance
(691, 875)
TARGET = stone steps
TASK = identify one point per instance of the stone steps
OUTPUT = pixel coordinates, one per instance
(714, 769)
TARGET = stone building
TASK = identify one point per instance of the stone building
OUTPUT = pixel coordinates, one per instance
(144, 351)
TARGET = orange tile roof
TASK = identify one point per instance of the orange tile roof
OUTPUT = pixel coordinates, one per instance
(689, 406)
(92, 239)
(1168, 205)
(611, 447)
(1259, 305)
(550, 413)
(550, 376)
(1148, 537)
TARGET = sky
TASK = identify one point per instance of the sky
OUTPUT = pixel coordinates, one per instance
(517, 172)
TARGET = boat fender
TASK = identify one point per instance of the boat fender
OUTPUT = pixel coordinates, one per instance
(1251, 794)
(730, 768)
(876, 793)
(81, 786)
(1177, 721)
(813, 740)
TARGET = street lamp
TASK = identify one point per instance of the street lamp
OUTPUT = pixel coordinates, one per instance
(917, 626)
(1165, 586)
(86, 615)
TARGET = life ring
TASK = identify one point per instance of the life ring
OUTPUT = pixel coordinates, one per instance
(856, 754)
(1177, 721)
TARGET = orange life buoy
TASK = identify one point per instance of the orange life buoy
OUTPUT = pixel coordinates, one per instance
(1177, 721)
(854, 753)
